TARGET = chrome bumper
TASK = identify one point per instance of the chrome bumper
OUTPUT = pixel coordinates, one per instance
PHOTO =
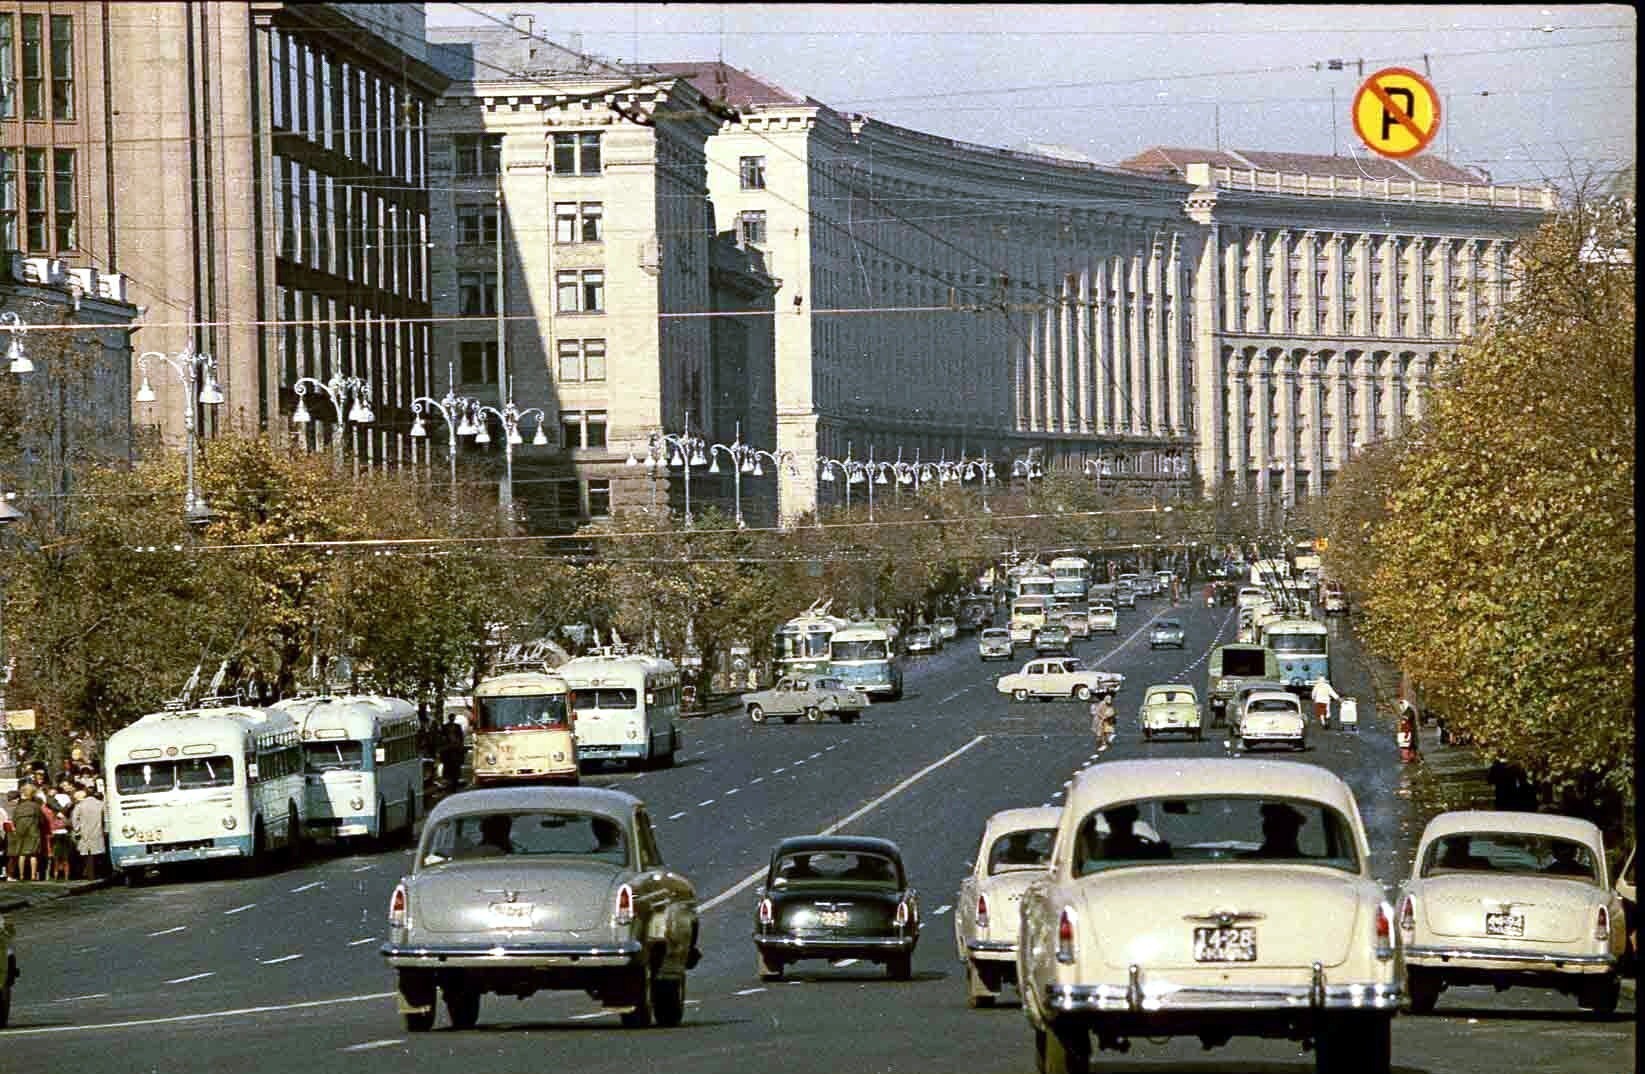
(991, 947)
(475, 956)
(809, 943)
(1478, 958)
(1161, 995)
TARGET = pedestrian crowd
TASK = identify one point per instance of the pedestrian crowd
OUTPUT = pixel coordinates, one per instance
(53, 824)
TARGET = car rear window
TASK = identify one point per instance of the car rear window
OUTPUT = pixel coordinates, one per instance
(1206, 829)
(1029, 848)
(1510, 852)
(855, 868)
(528, 834)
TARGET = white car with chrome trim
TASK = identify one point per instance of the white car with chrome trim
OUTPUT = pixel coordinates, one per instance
(1503, 898)
(1212, 898)
(1016, 847)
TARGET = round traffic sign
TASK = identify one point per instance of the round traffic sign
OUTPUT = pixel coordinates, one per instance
(1396, 112)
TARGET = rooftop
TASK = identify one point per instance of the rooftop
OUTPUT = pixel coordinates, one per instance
(1173, 161)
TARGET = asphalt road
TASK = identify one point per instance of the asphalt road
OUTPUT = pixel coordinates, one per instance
(281, 972)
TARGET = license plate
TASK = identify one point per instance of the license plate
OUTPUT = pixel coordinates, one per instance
(1225, 944)
(1505, 924)
(833, 919)
(511, 913)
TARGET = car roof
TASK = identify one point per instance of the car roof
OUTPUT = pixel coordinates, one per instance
(616, 804)
(1123, 781)
(1272, 694)
(1169, 622)
(1016, 820)
(799, 844)
(1488, 820)
(1162, 687)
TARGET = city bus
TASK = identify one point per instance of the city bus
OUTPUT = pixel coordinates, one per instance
(521, 730)
(1303, 648)
(801, 644)
(191, 785)
(1039, 584)
(623, 708)
(1070, 579)
(362, 774)
(1027, 616)
(864, 655)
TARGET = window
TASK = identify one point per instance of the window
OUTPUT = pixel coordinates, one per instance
(751, 173)
(34, 71)
(476, 225)
(577, 154)
(478, 154)
(34, 194)
(564, 499)
(62, 67)
(582, 429)
(593, 222)
(63, 197)
(580, 291)
(751, 228)
(599, 497)
(479, 361)
(581, 359)
(8, 69)
(8, 199)
(476, 293)
(574, 222)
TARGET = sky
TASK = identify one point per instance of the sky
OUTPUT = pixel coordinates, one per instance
(1530, 94)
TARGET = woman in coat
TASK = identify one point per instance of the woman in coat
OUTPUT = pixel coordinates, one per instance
(27, 836)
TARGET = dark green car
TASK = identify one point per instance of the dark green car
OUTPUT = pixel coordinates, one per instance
(833, 897)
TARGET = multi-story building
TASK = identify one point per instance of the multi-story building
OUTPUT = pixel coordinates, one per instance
(255, 171)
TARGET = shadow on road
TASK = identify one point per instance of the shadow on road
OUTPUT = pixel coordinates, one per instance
(1519, 1014)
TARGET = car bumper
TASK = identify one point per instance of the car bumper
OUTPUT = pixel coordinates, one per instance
(835, 946)
(134, 857)
(1493, 959)
(1140, 995)
(529, 956)
(992, 950)
(632, 751)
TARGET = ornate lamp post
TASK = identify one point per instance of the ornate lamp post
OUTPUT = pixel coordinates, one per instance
(1099, 468)
(665, 450)
(510, 416)
(458, 412)
(191, 369)
(744, 459)
(17, 361)
(339, 390)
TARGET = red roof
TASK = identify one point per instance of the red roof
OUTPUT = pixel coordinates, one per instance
(720, 81)
(1173, 161)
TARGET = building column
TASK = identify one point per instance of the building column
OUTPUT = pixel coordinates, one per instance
(1308, 299)
(1334, 270)
(1118, 312)
(1470, 290)
(1279, 319)
(1176, 298)
(1256, 283)
(1337, 401)
(1206, 395)
(1313, 441)
(1417, 385)
(1102, 348)
(1261, 438)
(1388, 254)
(1082, 357)
(1232, 275)
(1365, 379)
(1136, 288)
(1285, 451)
(1153, 303)
(1393, 395)
(1238, 432)
(1065, 359)
(1365, 298)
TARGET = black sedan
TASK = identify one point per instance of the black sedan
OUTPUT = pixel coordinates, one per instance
(836, 897)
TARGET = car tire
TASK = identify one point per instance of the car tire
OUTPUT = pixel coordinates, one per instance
(417, 990)
(849, 717)
(640, 1016)
(756, 714)
(1147, 734)
(1600, 993)
(900, 967)
(1019, 695)
(1354, 1043)
(1062, 1051)
(1422, 988)
(668, 1000)
(462, 1005)
(1082, 692)
(1199, 736)
(978, 994)
(813, 714)
(768, 967)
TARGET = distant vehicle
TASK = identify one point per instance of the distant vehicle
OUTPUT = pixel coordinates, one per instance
(1167, 708)
(1015, 848)
(922, 639)
(1247, 687)
(518, 889)
(994, 643)
(522, 729)
(363, 775)
(815, 699)
(1038, 584)
(624, 708)
(1125, 596)
(864, 655)
(1270, 572)
(1070, 578)
(1058, 677)
(1165, 633)
(1508, 899)
(1027, 615)
(976, 613)
(835, 897)
(1303, 649)
(1078, 621)
(1228, 666)
(1054, 638)
(1103, 619)
(802, 642)
(1272, 718)
(948, 628)
(1335, 601)
(1163, 580)
(1249, 596)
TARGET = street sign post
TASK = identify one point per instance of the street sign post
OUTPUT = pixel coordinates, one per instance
(1396, 112)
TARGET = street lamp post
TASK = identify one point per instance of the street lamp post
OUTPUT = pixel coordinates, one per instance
(190, 369)
(744, 459)
(458, 412)
(846, 468)
(1099, 468)
(687, 452)
(510, 416)
(339, 390)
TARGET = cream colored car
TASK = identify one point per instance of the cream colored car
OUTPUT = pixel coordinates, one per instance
(1499, 898)
(1016, 847)
(1209, 897)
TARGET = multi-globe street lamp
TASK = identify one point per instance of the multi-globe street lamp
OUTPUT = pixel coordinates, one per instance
(349, 398)
(868, 472)
(191, 369)
(458, 412)
(665, 450)
(744, 459)
(510, 416)
(17, 361)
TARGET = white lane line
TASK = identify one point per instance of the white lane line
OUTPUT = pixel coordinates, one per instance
(357, 943)
(705, 801)
(168, 932)
(761, 779)
(748, 992)
(307, 887)
(676, 816)
(833, 747)
(276, 961)
(941, 910)
(951, 697)
(206, 1016)
(754, 877)
(776, 771)
(192, 977)
(846, 962)
(239, 909)
(364, 869)
(814, 756)
(799, 762)
(1057, 795)
(732, 791)
(586, 1017)
(90, 995)
(387, 1042)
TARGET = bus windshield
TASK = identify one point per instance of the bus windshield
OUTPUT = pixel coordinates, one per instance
(860, 650)
(793, 645)
(1297, 643)
(333, 755)
(606, 698)
(529, 711)
(153, 777)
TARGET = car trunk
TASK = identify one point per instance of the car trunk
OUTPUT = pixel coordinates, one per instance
(819, 911)
(1149, 915)
(1004, 894)
(1548, 909)
(474, 896)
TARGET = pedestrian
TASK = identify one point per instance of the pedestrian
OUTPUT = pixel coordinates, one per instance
(1103, 721)
(27, 830)
(451, 753)
(59, 845)
(89, 837)
(1405, 733)
(1324, 694)
(7, 804)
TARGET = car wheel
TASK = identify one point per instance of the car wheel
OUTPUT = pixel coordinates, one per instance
(462, 1005)
(1019, 695)
(848, 717)
(1082, 692)
(1062, 1051)
(1361, 1043)
(1198, 735)
(1147, 734)
(769, 967)
(640, 1016)
(1600, 994)
(900, 967)
(1423, 987)
(978, 994)
(813, 714)
(756, 713)
(668, 1000)
(417, 990)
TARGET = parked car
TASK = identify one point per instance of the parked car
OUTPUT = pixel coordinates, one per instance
(1272, 718)
(8, 968)
(1508, 899)
(1104, 620)
(1249, 909)
(1015, 848)
(994, 643)
(1165, 632)
(921, 639)
(833, 897)
(1058, 676)
(948, 628)
(518, 889)
(816, 699)
(1167, 708)
(1054, 638)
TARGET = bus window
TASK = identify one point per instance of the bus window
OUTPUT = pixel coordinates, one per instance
(199, 772)
(511, 713)
(334, 755)
(607, 698)
(149, 778)
(859, 650)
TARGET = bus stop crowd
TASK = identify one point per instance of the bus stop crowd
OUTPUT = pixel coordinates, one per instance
(51, 825)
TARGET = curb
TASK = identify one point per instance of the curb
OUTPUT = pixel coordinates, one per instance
(24, 901)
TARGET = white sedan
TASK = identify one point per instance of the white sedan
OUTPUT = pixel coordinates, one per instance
(1016, 847)
(1506, 899)
(1209, 898)
(1058, 676)
(1272, 718)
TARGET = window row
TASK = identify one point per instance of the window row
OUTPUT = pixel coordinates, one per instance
(43, 205)
(477, 155)
(571, 499)
(346, 108)
(334, 226)
(323, 334)
(578, 361)
(31, 60)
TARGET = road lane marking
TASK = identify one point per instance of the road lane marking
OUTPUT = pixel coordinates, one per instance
(387, 1042)
(776, 771)
(799, 762)
(307, 887)
(753, 878)
(951, 697)
(357, 943)
(748, 992)
(586, 1017)
(137, 1023)
(275, 961)
(239, 909)
(192, 977)
(760, 779)
(732, 791)
(939, 911)
(706, 801)
(364, 869)
(676, 816)
(91, 995)
(833, 747)
(168, 932)
(814, 756)
(846, 962)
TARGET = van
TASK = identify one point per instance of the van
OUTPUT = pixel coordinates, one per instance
(1230, 667)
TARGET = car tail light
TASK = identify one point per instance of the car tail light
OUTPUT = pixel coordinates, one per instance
(1385, 931)
(768, 915)
(1065, 936)
(1602, 925)
(1407, 918)
(982, 911)
(625, 905)
(904, 914)
(397, 907)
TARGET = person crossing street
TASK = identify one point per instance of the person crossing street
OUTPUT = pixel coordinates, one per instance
(1324, 695)
(1104, 718)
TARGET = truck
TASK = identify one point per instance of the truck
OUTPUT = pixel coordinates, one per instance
(1232, 665)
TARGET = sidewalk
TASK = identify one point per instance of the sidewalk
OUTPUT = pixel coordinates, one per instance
(715, 705)
(21, 894)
